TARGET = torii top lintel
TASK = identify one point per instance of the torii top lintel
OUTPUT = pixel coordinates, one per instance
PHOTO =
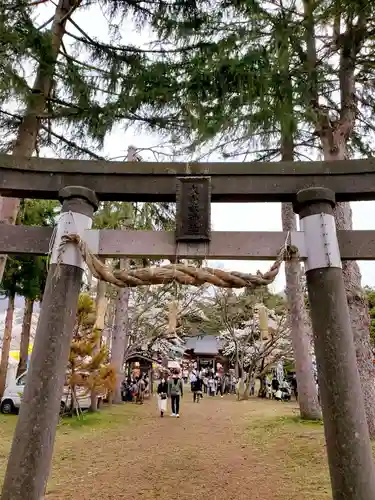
(351, 180)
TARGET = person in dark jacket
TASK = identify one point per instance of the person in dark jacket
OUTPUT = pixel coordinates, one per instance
(176, 392)
(294, 386)
(162, 394)
(197, 389)
(275, 384)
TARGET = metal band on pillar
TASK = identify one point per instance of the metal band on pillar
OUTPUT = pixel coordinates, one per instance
(72, 221)
(321, 243)
(346, 432)
(69, 223)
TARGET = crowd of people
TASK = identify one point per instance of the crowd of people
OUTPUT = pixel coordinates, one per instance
(204, 382)
(135, 388)
(279, 390)
(211, 383)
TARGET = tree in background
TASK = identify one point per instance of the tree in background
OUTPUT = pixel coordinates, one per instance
(83, 86)
(256, 352)
(33, 274)
(88, 368)
(25, 276)
(21, 35)
(10, 287)
(34, 269)
(283, 80)
(252, 346)
(160, 316)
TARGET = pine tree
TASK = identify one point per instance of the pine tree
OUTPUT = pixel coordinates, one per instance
(232, 91)
(342, 127)
(10, 287)
(83, 86)
(241, 103)
(33, 269)
(45, 47)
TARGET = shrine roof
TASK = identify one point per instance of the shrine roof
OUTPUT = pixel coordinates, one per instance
(203, 344)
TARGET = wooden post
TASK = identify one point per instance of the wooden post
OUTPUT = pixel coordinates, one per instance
(30, 457)
(348, 443)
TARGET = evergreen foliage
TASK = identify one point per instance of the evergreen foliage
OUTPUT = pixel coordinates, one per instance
(97, 82)
(248, 77)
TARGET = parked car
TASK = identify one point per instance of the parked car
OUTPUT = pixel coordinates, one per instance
(12, 398)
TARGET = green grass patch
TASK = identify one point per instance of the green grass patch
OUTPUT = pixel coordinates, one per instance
(288, 422)
(294, 451)
(87, 429)
(107, 417)
(7, 422)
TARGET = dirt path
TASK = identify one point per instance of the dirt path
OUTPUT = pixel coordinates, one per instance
(206, 454)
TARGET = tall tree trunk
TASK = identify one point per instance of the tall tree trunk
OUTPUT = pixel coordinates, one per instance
(25, 336)
(334, 148)
(301, 338)
(7, 338)
(119, 335)
(307, 393)
(101, 309)
(334, 137)
(28, 130)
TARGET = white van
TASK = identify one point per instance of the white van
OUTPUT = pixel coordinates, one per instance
(11, 401)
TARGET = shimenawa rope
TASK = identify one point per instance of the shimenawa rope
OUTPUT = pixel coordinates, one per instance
(180, 273)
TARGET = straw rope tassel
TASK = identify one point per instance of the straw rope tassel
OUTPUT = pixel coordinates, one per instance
(263, 321)
(172, 317)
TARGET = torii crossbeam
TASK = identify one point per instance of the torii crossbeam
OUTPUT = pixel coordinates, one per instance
(313, 188)
(352, 180)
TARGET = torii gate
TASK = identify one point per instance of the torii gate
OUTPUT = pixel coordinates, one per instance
(313, 187)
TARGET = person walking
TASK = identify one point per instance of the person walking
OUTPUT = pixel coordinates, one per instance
(219, 385)
(176, 392)
(141, 386)
(212, 384)
(294, 386)
(193, 378)
(275, 385)
(197, 389)
(162, 395)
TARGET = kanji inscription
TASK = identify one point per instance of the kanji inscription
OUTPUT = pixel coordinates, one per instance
(193, 197)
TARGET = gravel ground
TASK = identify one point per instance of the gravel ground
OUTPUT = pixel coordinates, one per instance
(217, 449)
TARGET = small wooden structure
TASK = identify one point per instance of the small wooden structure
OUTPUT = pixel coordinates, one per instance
(141, 364)
(206, 351)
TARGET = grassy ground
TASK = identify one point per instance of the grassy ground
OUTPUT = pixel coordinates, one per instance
(219, 449)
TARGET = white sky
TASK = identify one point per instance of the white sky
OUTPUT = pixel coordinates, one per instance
(225, 217)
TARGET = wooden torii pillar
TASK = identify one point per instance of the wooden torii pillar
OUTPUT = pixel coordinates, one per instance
(348, 442)
(31, 453)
